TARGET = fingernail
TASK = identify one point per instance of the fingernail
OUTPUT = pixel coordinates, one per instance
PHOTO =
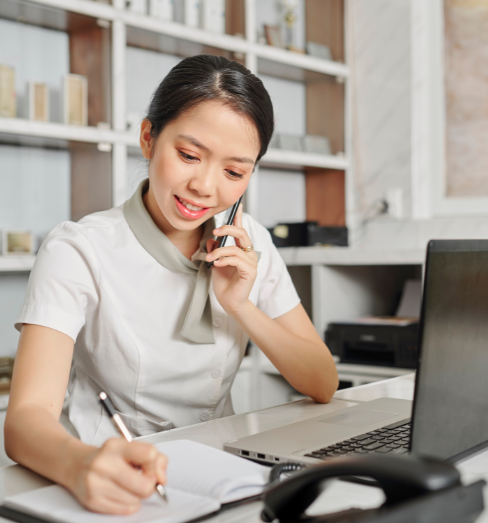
(216, 231)
(208, 257)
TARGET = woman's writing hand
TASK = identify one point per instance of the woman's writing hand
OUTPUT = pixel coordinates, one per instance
(115, 478)
(234, 270)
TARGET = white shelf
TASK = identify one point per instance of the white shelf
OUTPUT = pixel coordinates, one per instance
(16, 263)
(352, 369)
(371, 370)
(59, 131)
(89, 8)
(183, 32)
(348, 256)
(281, 158)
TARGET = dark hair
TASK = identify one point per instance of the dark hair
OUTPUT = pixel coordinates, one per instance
(201, 78)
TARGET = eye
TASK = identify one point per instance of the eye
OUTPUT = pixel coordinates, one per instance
(187, 156)
(234, 175)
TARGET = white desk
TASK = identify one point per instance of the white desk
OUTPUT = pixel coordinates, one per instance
(338, 496)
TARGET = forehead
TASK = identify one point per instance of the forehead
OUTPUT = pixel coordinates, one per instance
(214, 120)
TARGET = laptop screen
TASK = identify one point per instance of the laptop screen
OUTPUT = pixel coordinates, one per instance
(450, 406)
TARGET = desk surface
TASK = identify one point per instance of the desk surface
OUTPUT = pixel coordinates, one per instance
(338, 496)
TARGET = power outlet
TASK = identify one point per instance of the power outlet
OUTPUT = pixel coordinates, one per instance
(394, 198)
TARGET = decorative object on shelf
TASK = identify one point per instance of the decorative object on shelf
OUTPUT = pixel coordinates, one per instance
(290, 18)
(319, 50)
(137, 6)
(316, 144)
(75, 99)
(290, 142)
(8, 105)
(273, 35)
(17, 243)
(38, 102)
(104, 147)
(6, 370)
(306, 234)
(187, 12)
(162, 9)
(213, 15)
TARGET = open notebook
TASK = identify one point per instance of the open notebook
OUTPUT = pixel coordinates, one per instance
(200, 480)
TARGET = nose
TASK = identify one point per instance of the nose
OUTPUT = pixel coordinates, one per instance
(204, 183)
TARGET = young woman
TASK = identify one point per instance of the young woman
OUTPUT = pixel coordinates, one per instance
(123, 301)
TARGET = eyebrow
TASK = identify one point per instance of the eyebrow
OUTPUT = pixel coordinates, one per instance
(200, 145)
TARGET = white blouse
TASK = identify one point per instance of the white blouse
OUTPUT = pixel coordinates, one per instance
(93, 281)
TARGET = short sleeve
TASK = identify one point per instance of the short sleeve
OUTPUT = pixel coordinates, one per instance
(277, 294)
(62, 287)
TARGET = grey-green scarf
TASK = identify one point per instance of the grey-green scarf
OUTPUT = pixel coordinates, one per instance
(198, 322)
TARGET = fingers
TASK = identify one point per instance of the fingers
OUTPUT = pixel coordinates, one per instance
(236, 231)
(232, 251)
(238, 217)
(116, 462)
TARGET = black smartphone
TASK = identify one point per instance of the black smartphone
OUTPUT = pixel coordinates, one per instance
(230, 221)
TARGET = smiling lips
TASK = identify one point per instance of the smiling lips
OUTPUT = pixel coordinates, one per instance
(188, 210)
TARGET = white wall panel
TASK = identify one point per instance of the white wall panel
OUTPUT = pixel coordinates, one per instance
(281, 196)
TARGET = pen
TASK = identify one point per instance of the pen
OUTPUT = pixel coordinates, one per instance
(120, 425)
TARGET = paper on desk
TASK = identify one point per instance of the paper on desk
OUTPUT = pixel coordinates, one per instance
(212, 472)
(54, 503)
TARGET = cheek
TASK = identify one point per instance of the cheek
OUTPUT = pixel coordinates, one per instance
(166, 171)
(232, 193)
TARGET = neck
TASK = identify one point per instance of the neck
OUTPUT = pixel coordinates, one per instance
(187, 242)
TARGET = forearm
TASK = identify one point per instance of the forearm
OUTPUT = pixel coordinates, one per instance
(36, 440)
(307, 365)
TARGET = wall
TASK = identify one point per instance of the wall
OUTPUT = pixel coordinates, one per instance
(379, 41)
(398, 118)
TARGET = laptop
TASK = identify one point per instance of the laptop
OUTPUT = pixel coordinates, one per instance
(447, 419)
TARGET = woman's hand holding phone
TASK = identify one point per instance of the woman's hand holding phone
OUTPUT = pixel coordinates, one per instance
(116, 477)
(234, 271)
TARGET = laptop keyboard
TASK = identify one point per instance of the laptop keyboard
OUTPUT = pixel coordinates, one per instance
(392, 439)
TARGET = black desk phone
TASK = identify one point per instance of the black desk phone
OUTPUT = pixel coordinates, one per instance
(416, 490)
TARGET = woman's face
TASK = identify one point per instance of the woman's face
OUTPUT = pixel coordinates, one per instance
(200, 164)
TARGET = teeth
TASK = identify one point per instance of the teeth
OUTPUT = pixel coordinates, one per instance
(189, 205)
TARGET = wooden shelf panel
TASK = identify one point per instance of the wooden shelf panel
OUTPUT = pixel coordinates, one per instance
(349, 256)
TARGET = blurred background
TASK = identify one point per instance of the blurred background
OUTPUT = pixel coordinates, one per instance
(381, 145)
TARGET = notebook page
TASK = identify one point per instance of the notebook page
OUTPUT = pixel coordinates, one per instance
(210, 472)
(54, 503)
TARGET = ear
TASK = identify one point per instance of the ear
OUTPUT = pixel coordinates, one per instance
(145, 139)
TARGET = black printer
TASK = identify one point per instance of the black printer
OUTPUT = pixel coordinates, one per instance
(387, 342)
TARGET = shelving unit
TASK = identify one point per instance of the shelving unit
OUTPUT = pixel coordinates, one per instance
(100, 34)
(102, 30)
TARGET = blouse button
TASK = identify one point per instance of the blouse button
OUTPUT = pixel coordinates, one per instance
(204, 416)
(217, 322)
(215, 373)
